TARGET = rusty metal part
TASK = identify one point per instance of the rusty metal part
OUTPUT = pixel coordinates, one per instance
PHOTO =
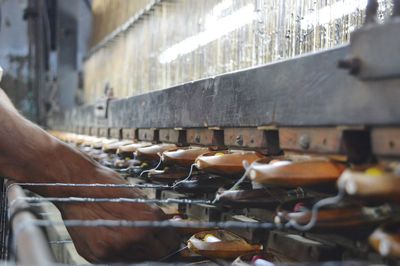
(206, 137)
(31, 244)
(176, 136)
(253, 138)
(320, 140)
(149, 134)
(385, 141)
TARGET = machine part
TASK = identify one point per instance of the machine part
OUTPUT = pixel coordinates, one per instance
(374, 51)
(30, 244)
(371, 11)
(101, 108)
(130, 133)
(151, 135)
(325, 96)
(91, 185)
(267, 140)
(153, 224)
(173, 136)
(385, 141)
(320, 140)
(109, 200)
(296, 248)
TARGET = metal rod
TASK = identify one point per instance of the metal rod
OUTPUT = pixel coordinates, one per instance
(155, 224)
(91, 185)
(30, 245)
(109, 200)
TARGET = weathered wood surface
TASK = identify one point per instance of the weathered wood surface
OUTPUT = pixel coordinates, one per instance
(304, 91)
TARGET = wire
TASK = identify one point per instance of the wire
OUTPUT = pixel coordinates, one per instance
(186, 178)
(109, 200)
(314, 212)
(155, 168)
(89, 185)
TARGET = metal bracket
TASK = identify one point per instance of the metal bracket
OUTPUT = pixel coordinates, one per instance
(101, 108)
(374, 51)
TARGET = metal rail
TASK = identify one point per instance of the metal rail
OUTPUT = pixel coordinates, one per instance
(324, 96)
(109, 200)
(153, 224)
(91, 185)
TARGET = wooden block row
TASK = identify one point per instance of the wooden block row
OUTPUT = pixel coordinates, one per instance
(384, 141)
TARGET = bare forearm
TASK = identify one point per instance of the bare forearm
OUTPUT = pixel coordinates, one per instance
(29, 154)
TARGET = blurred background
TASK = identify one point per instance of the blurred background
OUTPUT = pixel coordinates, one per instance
(57, 54)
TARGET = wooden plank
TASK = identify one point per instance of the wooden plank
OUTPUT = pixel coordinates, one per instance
(200, 136)
(86, 131)
(148, 134)
(129, 133)
(305, 91)
(103, 133)
(244, 137)
(320, 140)
(385, 141)
(173, 136)
(115, 133)
(93, 131)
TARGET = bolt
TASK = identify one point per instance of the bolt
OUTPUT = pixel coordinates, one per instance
(239, 140)
(352, 64)
(304, 142)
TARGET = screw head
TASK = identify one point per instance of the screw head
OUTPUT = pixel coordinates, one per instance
(304, 142)
(352, 64)
(239, 140)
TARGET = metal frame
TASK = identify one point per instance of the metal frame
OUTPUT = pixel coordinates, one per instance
(309, 92)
